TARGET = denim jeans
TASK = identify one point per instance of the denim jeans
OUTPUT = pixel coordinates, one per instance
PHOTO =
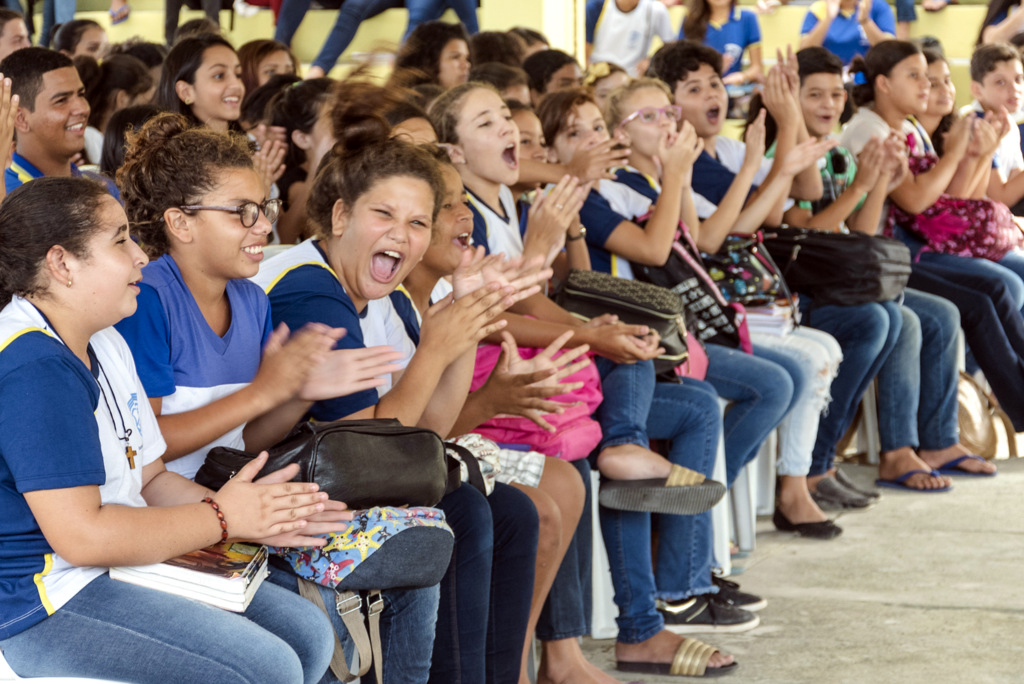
(1010, 269)
(406, 624)
(760, 393)
(867, 334)
(429, 10)
(485, 595)
(688, 416)
(351, 14)
(812, 358)
(54, 12)
(905, 10)
(568, 609)
(119, 631)
(917, 404)
(993, 328)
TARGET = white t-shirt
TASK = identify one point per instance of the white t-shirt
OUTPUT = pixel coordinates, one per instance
(624, 38)
(499, 233)
(1008, 157)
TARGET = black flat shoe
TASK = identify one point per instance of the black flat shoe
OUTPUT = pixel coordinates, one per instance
(812, 530)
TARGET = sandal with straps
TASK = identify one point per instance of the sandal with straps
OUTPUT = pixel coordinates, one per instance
(683, 492)
(691, 660)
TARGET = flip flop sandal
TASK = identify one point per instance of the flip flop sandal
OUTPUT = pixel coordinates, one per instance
(120, 15)
(683, 492)
(901, 482)
(953, 467)
(691, 660)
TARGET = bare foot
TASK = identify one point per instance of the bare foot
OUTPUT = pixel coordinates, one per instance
(632, 462)
(903, 460)
(940, 457)
(661, 648)
(796, 503)
(564, 663)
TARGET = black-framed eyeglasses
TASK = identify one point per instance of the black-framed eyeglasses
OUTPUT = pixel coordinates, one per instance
(248, 212)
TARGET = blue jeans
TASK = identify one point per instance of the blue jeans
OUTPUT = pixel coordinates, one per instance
(430, 10)
(905, 10)
(351, 14)
(485, 595)
(993, 328)
(688, 416)
(405, 628)
(54, 12)
(917, 404)
(115, 630)
(760, 394)
(867, 334)
(568, 609)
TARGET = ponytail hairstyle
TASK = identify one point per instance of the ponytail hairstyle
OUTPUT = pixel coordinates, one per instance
(117, 73)
(169, 163)
(445, 111)
(363, 156)
(53, 210)
(938, 136)
(297, 108)
(698, 15)
(614, 111)
(181, 64)
(879, 61)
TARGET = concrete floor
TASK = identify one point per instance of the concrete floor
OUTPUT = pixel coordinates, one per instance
(922, 588)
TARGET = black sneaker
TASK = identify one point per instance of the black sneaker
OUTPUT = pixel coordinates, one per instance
(705, 613)
(729, 592)
(843, 479)
(832, 496)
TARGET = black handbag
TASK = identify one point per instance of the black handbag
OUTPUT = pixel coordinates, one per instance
(841, 269)
(588, 294)
(365, 463)
(743, 271)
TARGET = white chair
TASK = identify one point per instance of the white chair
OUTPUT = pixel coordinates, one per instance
(8, 675)
(602, 594)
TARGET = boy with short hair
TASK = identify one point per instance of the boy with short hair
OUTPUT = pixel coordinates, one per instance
(735, 188)
(52, 115)
(997, 84)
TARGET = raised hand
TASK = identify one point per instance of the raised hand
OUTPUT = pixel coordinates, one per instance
(678, 152)
(452, 326)
(870, 164)
(289, 360)
(804, 154)
(275, 509)
(551, 216)
(754, 142)
(8, 111)
(269, 162)
(477, 269)
(347, 371)
(959, 137)
(594, 163)
(523, 387)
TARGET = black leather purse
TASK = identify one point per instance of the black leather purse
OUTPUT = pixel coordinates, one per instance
(588, 294)
(365, 463)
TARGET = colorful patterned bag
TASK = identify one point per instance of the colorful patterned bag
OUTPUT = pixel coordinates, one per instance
(382, 548)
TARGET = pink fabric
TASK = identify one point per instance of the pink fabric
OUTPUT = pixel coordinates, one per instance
(576, 433)
(959, 226)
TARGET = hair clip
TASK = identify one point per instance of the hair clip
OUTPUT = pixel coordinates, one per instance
(596, 73)
(859, 78)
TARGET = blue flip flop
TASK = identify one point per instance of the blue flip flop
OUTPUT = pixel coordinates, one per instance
(952, 468)
(901, 482)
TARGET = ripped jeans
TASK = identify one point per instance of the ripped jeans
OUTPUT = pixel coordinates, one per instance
(812, 359)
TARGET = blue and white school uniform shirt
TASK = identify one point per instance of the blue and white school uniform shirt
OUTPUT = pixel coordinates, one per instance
(21, 171)
(57, 431)
(732, 38)
(712, 176)
(303, 288)
(498, 233)
(846, 38)
(182, 360)
(608, 205)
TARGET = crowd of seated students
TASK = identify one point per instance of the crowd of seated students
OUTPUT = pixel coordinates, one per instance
(427, 222)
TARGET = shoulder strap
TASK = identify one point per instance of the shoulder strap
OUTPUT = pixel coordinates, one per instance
(348, 604)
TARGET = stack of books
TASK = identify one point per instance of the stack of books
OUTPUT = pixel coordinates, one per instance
(775, 319)
(223, 575)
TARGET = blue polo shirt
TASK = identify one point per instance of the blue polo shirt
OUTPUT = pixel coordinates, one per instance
(733, 37)
(22, 171)
(845, 37)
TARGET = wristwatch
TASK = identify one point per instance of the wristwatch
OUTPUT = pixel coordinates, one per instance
(578, 236)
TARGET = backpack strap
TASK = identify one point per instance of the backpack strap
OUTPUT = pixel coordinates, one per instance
(348, 604)
(374, 607)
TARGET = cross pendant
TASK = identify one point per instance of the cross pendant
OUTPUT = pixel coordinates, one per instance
(130, 453)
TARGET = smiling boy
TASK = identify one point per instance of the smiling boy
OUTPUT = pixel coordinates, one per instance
(51, 118)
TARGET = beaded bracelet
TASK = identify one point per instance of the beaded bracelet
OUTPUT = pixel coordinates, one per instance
(220, 516)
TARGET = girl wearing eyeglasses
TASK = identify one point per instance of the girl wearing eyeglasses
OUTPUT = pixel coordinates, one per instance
(214, 370)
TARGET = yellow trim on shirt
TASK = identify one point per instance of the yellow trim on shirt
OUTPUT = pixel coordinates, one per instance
(600, 16)
(18, 334)
(41, 587)
(282, 274)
